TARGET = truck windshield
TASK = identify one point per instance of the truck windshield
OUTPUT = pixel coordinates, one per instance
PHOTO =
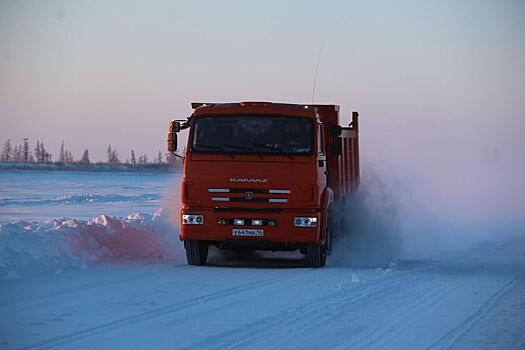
(247, 134)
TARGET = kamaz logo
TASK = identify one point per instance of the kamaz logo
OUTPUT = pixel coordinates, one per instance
(232, 179)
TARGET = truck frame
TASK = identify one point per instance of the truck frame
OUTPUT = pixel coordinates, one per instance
(264, 176)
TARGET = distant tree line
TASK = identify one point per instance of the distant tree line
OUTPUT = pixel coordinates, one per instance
(112, 158)
(23, 154)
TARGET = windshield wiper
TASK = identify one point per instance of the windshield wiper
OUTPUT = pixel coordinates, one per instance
(214, 147)
(237, 147)
(207, 146)
(278, 149)
(243, 148)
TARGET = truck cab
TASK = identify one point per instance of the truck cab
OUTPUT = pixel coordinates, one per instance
(263, 176)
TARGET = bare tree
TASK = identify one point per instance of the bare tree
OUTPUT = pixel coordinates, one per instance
(45, 156)
(171, 159)
(174, 158)
(85, 157)
(7, 152)
(109, 153)
(17, 154)
(38, 156)
(143, 159)
(62, 154)
(43, 152)
(25, 150)
(114, 157)
(133, 160)
(159, 158)
(69, 157)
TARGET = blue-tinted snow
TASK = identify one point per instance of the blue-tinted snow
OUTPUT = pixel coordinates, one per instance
(34, 195)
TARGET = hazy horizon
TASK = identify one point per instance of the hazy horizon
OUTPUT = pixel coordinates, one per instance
(98, 73)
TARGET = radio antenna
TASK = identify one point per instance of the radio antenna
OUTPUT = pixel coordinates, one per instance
(317, 69)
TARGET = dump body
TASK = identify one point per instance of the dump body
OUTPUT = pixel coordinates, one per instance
(260, 175)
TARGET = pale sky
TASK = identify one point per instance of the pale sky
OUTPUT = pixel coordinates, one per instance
(441, 76)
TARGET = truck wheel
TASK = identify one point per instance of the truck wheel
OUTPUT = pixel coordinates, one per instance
(196, 252)
(315, 255)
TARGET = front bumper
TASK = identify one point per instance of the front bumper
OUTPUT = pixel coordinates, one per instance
(283, 232)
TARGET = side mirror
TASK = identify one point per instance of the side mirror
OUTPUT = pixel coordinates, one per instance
(336, 148)
(174, 126)
(172, 142)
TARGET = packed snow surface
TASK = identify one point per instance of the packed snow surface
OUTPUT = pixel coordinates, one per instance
(472, 300)
(77, 273)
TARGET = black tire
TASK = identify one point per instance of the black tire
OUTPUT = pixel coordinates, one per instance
(196, 252)
(315, 255)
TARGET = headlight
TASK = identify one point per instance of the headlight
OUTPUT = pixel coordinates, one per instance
(300, 221)
(238, 222)
(188, 219)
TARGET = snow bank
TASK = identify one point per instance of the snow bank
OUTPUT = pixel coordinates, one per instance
(28, 248)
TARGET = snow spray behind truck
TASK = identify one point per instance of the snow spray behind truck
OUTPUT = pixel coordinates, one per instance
(264, 176)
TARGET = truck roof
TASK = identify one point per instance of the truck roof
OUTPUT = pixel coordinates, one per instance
(328, 114)
(196, 105)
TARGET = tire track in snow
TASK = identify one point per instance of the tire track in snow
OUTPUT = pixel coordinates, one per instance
(379, 335)
(304, 317)
(157, 312)
(448, 340)
(387, 331)
(324, 314)
(87, 286)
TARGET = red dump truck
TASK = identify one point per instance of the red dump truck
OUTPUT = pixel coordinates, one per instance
(264, 176)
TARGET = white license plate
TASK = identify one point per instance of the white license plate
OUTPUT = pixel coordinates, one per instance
(247, 232)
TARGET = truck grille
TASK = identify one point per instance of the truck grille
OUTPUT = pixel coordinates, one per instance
(256, 195)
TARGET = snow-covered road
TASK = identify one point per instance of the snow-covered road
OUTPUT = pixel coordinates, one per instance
(467, 300)
(73, 278)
